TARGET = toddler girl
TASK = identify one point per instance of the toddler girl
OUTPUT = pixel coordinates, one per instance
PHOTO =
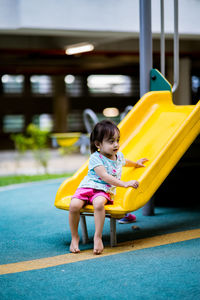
(98, 187)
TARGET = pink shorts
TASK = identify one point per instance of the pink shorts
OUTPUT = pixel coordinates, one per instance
(88, 195)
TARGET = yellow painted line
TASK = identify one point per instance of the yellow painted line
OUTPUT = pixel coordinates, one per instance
(88, 254)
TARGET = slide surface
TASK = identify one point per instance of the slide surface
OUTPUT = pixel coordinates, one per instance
(155, 129)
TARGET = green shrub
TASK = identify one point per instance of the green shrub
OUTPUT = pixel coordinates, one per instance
(35, 140)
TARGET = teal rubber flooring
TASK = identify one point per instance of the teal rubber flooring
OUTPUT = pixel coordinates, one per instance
(31, 228)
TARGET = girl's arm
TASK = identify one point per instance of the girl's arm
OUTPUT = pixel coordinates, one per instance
(101, 172)
(138, 164)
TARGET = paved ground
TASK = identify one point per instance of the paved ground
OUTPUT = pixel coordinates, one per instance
(11, 163)
(158, 261)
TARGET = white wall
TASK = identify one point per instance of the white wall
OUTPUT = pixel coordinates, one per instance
(9, 14)
(95, 15)
(100, 15)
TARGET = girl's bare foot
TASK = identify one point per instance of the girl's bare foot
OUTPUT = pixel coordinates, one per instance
(98, 246)
(74, 246)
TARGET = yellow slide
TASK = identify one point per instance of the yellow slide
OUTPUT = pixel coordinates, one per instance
(156, 129)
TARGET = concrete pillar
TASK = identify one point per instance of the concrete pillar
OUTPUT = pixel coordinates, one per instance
(61, 105)
(183, 94)
(27, 95)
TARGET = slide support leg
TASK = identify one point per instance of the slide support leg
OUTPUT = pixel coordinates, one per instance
(113, 234)
(148, 209)
(84, 230)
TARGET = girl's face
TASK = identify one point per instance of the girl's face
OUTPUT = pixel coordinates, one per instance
(110, 146)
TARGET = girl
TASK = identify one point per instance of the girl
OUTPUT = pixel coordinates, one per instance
(98, 187)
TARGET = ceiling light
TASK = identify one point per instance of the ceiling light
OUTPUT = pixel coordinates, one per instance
(69, 79)
(79, 48)
(111, 112)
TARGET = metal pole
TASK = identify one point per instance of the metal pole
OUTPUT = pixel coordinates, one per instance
(145, 46)
(162, 39)
(84, 229)
(176, 48)
(145, 64)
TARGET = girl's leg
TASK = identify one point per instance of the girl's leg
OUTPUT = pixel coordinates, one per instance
(74, 216)
(99, 218)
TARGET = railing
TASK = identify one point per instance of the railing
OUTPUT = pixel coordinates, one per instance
(176, 44)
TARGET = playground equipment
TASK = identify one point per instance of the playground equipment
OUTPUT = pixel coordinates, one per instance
(155, 128)
(77, 138)
(80, 139)
(66, 139)
(146, 62)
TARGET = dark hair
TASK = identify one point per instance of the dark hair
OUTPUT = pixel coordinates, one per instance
(105, 129)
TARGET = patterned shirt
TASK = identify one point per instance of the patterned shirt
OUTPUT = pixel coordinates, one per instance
(113, 167)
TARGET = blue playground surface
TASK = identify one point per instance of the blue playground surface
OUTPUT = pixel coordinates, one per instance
(32, 228)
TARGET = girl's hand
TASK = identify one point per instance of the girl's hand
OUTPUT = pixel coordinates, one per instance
(131, 183)
(140, 163)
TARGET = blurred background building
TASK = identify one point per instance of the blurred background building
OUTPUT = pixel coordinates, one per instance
(41, 84)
